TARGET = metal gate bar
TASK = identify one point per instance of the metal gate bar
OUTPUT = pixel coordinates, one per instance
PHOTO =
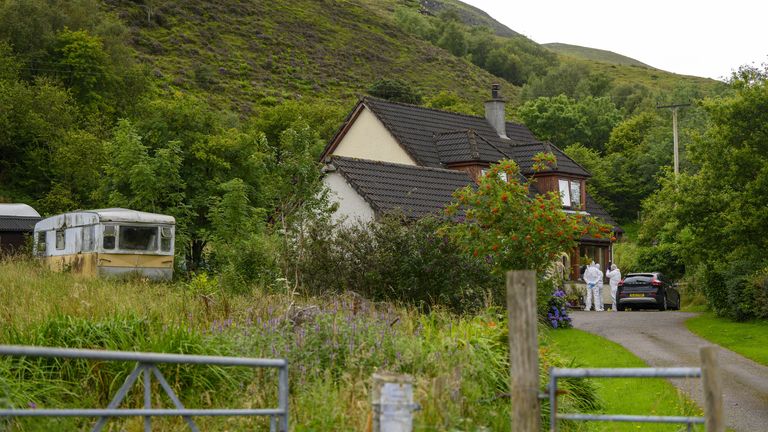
(146, 366)
(674, 372)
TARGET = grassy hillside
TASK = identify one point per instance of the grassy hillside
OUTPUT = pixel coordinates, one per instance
(594, 54)
(243, 54)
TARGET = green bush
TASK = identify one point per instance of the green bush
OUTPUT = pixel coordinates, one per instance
(391, 259)
(664, 258)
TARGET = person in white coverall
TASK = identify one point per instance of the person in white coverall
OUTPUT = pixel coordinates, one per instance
(591, 276)
(614, 276)
(599, 289)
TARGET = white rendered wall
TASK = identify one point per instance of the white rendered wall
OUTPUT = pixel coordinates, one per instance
(367, 138)
(352, 207)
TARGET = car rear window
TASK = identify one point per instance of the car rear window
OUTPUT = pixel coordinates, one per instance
(638, 279)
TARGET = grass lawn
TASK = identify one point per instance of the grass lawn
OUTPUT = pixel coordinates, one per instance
(623, 396)
(749, 339)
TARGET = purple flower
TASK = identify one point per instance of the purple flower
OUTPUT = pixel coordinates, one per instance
(32, 405)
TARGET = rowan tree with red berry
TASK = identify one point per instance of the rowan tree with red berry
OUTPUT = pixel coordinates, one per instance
(501, 220)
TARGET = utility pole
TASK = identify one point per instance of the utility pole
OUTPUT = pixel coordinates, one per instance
(675, 107)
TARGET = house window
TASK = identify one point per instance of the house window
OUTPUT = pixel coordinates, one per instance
(570, 192)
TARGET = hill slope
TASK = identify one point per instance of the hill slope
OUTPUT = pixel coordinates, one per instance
(243, 54)
(594, 54)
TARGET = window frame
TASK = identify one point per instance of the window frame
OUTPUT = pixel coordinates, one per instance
(580, 203)
(61, 233)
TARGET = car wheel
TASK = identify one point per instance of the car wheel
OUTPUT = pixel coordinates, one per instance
(663, 305)
(679, 301)
(620, 308)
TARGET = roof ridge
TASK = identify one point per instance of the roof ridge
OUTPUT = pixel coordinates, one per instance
(426, 168)
(473, 116)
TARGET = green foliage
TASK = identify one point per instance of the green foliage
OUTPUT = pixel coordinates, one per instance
(716, 214)
(501, 222)
(240, 248)
(395, 90)
(565, 121)
(450, 101)
(391, 259)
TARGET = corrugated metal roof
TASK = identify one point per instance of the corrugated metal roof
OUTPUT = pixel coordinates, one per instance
(18, 223)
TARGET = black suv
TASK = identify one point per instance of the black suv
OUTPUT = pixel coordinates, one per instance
(647, 290)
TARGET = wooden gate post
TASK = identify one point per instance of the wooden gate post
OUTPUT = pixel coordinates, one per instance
(523, 351)
(713, 391)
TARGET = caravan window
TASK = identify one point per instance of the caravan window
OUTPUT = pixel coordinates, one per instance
(109, 237)
(166, 234)
(138, 238)
(41, 243)
(60, 239)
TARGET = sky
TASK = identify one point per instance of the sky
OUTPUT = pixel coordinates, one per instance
(704, 38)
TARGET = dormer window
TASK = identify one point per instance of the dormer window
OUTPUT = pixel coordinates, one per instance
(502, 175)
(570, 192)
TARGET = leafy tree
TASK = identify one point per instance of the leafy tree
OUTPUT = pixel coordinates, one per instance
(35, 118)
(84, 67)
(450, 101)
(504, 64)
(561, 80)
(395, 90)
(566, 121)
(500, 221)
(453, 39)
(717, 214)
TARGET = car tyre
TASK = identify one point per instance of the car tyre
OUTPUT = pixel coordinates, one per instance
(663, 305)
(620, 308)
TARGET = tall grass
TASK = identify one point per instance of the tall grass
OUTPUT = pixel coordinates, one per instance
(333, 344)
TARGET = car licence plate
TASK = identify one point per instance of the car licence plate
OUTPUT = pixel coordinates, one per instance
(637, 295)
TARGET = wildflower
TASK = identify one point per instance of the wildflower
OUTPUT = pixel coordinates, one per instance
(491, 324)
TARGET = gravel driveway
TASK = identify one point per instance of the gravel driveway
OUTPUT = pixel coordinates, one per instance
(661, 339)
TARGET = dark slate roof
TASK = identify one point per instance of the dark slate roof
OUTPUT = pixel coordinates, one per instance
(417, 191)
(596, 210)
(523, 154)
(466, 146)
(416, 128)
(18, 223)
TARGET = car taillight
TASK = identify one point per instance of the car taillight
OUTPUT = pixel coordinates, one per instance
(656, 282)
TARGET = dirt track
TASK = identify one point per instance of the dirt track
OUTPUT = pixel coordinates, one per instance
(661, 339)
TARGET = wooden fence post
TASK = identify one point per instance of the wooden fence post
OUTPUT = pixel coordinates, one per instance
(523, 351)
(713, 391)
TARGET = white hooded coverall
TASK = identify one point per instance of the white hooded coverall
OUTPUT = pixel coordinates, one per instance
(599, 289)
(591, 276)
(614, 276)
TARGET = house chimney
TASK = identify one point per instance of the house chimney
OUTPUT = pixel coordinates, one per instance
(494, 112)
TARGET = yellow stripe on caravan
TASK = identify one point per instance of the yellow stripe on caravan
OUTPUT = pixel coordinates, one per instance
(137, 260)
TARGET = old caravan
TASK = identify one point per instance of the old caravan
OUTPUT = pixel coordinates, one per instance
(109, 242)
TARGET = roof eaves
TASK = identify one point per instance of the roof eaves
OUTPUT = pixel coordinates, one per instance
(348, 121)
